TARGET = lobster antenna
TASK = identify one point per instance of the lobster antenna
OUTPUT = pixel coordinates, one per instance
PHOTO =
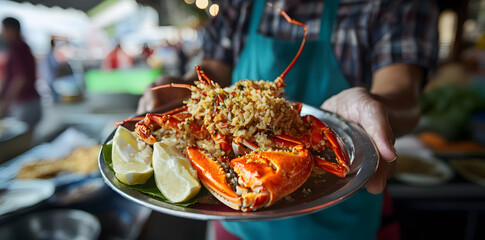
(133, 119)
(281, 78)
(172, 85)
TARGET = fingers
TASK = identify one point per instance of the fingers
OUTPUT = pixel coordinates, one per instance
(378, 182)
(142, 106)
(140, 109)
(163, 99)
(150, 101)
(358, 105)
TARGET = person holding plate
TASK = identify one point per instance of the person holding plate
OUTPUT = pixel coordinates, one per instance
(364, 60)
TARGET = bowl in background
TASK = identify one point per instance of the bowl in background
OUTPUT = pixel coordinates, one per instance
(422, 170)
(53, 225)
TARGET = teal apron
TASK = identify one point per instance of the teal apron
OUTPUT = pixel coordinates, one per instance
(315, 77)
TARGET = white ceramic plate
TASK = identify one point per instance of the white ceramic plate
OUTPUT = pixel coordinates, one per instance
(471, 169)
(60, 147)
(11, 128)
(19, 195)
(422, 170)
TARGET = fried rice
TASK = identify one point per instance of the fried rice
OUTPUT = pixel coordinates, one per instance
(253, 110)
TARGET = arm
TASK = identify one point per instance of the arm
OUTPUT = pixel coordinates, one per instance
(11, 93)
(217, 63)
(403, 41)
(389, 109)
(163, 100)
(397, 88)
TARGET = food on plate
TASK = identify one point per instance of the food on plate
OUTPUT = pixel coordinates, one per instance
(249, 145)
(174, 175)
(418, 165)
(440, 144)
(82, 160)
(132, 158)
(472, 169)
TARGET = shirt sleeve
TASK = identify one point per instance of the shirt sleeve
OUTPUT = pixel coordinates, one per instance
(405, 32)
(218, 35)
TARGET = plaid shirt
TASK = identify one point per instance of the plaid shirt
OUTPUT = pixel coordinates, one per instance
(367, 35)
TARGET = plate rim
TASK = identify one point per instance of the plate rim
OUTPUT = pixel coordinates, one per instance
(350, 129)
(47, 187)
(414, 179)
(457, 166)
(16, 128)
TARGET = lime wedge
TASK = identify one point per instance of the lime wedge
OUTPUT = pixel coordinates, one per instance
(174, 175)
(131, 158)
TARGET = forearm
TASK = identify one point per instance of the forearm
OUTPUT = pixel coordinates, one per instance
(397, 87)
(388, 110)
(163, 100)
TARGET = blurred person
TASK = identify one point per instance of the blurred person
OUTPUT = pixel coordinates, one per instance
(49, 69)
(18, 96)
(3, 57)
(117, 59)
(364, 60)
(166, 58)
(146, 51)
(142, 60)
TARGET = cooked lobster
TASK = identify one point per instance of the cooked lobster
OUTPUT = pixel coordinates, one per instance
(243, 173)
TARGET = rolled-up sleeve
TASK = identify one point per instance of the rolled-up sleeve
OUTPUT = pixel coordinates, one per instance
(405, 32)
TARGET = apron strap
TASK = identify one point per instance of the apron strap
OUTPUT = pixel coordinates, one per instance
(330, 8)
(258, 10)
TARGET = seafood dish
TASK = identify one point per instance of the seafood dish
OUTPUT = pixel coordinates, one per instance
(249, 145)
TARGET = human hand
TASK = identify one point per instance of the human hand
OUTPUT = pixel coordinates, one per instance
(358, 105)
(162, 100)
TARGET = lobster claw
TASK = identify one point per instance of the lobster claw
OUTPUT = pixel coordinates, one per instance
(262, 177)
(275, 173)
(317, 132)
(213, 177)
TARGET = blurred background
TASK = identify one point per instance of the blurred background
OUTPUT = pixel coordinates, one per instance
(95, 58)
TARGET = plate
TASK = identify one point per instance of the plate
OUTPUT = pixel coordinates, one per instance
(20, 195)
(79, 192)
(57, 224)
(471, 169)
(422, 170)
(60, 147)
(331, 190)
(11, 128)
